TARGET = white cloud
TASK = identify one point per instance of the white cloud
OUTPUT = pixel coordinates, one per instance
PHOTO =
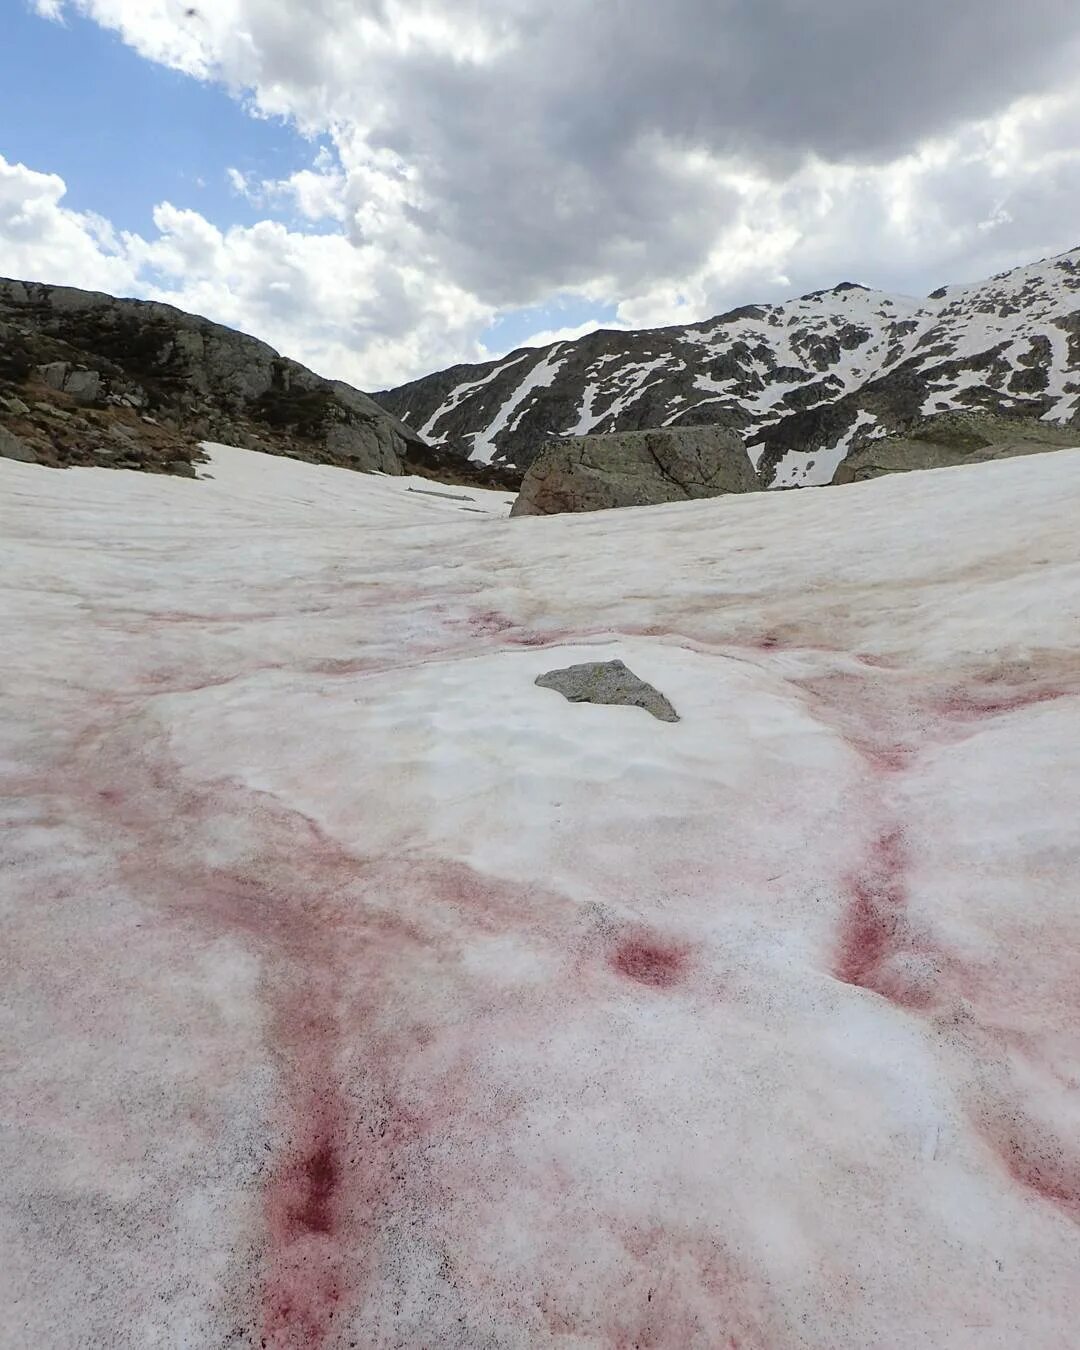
(42, 240)
(547, 336)
(317, 297)
(489, 154)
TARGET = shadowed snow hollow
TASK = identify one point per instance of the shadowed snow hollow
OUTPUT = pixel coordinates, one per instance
(359, 992)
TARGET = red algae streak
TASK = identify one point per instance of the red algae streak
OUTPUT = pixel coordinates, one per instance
(971, 703)
(877, 900)
(650, 962)
(489, 621)
(1047, 1175)
(305, 1277)
(337, 937)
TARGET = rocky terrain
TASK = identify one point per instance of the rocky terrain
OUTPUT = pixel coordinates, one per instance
(89, 379)
(805, 384)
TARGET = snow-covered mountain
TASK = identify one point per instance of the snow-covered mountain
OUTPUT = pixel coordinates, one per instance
(804, 382)
(357, 991)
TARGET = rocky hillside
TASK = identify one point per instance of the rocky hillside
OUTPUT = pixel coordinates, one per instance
(89, 379)
(804, 383)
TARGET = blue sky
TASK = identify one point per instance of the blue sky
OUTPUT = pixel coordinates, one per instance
(126, 133)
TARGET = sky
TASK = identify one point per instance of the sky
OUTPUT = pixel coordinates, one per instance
(383, 188)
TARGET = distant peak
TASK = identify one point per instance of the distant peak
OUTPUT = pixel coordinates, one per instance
(834, 290)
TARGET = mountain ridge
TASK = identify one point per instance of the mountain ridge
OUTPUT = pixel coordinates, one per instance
(805, 382)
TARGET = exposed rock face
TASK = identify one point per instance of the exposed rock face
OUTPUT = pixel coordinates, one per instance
(635, 468)
(804, 383)
(139, 385)
(608, 682)
(12, 447)
(952, 438)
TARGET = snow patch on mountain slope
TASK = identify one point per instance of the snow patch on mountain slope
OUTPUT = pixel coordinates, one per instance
(464, 390)
(815, 468)
(539, 377)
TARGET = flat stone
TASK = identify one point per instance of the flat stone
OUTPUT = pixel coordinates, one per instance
(608, 682)
(50, 410)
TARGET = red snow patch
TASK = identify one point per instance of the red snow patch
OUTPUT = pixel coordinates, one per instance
(679, 1289)
(872, 712)
(650, 961)
(973, 702)
(876, 950)
(489, 621)
(1044, 1164)
(366, 1001)
(877, 901)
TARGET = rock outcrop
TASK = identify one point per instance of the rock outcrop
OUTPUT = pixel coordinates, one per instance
(952, 438)
(635, 468)
(89, 379)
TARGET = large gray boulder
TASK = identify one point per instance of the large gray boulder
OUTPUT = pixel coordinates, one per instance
(635, 468)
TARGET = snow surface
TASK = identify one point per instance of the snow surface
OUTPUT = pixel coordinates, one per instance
(358, 992)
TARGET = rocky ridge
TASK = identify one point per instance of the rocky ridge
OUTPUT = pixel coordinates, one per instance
(805, 384)
(89, 379)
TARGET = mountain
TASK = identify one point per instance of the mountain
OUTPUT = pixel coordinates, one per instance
(360, 990)
(86, 378)
(805, 383)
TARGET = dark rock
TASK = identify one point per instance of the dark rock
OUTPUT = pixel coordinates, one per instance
(54, 373)
(608, 682)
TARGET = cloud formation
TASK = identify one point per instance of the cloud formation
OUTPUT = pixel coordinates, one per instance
(670, 159)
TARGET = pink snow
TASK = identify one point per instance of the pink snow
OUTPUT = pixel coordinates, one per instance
(359, 992)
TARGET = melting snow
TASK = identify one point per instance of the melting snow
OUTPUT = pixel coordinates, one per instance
(358, 991)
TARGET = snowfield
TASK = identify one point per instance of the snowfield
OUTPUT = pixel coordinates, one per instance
(358, 992)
